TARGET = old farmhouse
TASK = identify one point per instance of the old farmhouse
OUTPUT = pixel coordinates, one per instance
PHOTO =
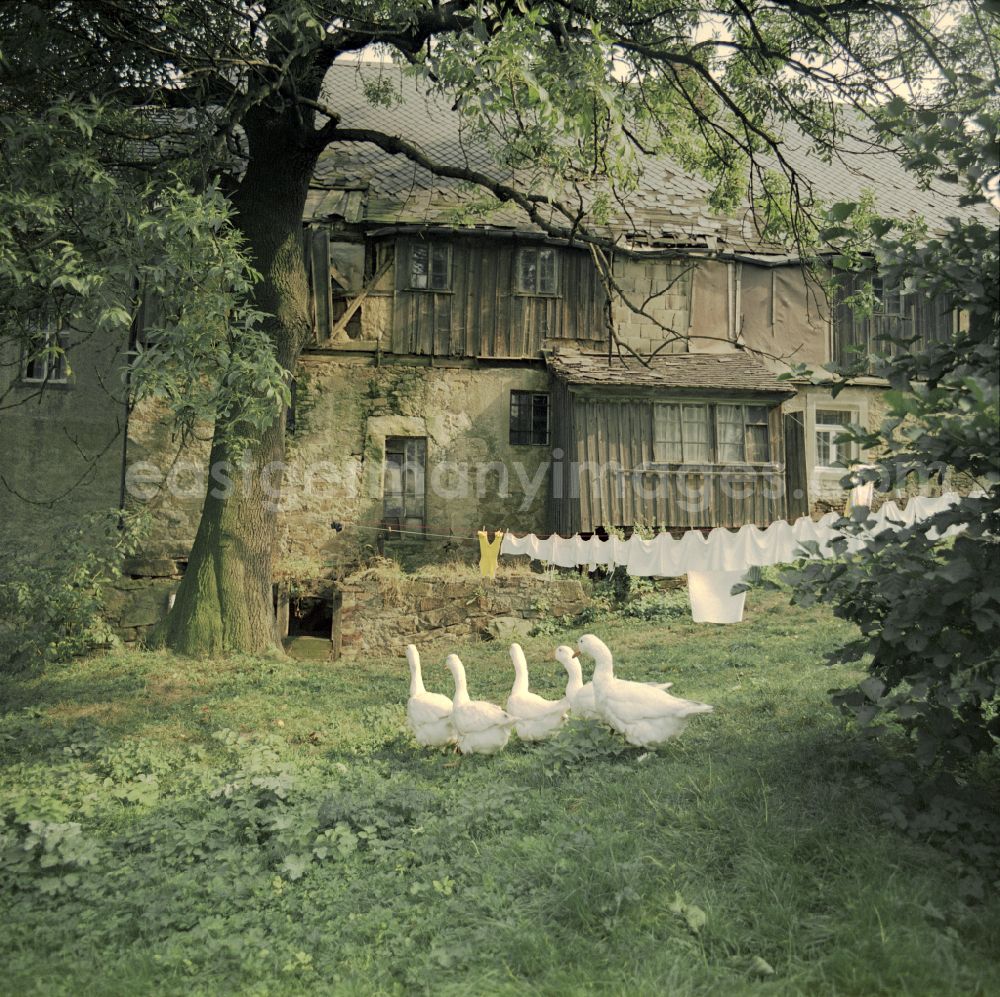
(469, 372)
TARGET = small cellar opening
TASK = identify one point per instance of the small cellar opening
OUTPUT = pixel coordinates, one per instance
(307, 614)
(310, 616)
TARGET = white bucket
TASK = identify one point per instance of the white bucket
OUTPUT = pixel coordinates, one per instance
(710, 598)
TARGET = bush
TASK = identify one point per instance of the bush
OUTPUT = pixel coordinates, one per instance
(51, 602)
(929, 608)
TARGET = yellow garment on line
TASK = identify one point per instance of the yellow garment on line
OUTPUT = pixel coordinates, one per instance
(488, 553)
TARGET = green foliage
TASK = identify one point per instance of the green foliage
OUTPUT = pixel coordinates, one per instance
(330, 854)
(928, 607)
(52, 600)
(90, 249)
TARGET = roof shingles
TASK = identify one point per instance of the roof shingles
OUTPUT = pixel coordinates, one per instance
(667, 205)
(720, 372)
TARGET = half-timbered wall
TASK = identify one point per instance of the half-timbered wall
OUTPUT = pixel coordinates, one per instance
(477, 311)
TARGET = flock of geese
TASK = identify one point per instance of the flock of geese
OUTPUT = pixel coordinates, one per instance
(644, 713)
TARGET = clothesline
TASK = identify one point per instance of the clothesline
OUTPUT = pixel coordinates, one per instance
(663, 556)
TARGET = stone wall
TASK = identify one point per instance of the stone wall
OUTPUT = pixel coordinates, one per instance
(139, 600)
(382, 615)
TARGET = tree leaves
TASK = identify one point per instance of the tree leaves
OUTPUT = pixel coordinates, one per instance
(928, 604)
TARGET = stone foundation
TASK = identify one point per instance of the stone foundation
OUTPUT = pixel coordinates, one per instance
(383, 614)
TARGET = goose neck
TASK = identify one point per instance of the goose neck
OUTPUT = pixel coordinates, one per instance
(520, 674)
(574, 680)
(416, 680)
(603, 667)
(461, 697)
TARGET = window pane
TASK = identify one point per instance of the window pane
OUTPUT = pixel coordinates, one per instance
(403, 481)
(667, 433)
(529, 418)
(756, 415)
(546, 271)
(440, 260)
(758, 445)
(695, 433)
(528, 270)
(419, 264)
(729, 427)
(518, 430)
(827, 417)
(42, 361)
(824, 450)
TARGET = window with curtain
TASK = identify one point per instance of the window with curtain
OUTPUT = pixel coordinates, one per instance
(683, 433)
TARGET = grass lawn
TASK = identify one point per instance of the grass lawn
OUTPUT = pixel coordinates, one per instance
(255, 826)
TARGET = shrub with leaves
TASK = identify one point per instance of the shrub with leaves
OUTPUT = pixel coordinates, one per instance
(929, 607)
(51, 601)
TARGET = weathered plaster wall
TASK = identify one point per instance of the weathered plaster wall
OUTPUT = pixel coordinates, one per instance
(474, 478)
(346, 408)
(59, 448)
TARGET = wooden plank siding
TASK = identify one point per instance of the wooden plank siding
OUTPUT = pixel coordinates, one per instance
(610, 477)
(796, 471)
(929, 320)
(483, 315)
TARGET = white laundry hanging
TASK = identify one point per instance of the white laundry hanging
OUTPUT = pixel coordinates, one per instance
(718, 560)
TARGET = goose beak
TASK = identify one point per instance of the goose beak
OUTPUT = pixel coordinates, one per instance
(576, 653)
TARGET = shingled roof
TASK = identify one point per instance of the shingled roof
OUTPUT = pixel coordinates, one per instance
(718, 372)
(668, 208)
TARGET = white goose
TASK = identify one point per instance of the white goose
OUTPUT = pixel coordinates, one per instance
(428, 713)
(481, 727)
(581, 694)
(537, 718)
(643, 715)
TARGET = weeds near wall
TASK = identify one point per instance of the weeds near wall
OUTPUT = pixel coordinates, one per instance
(52, 601)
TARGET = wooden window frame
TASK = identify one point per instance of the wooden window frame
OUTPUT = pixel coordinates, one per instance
(392, 447)
(56, 367)
(536, 291)
(712, 424)
(831, 430)
(430, 247)
(517, 397)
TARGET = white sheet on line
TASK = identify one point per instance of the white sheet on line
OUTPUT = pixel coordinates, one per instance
(721, 549)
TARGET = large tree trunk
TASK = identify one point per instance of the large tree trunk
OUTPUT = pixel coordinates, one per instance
(224, 601)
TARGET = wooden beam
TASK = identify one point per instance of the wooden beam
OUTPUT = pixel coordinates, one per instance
(340, 328)
(339, 277)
